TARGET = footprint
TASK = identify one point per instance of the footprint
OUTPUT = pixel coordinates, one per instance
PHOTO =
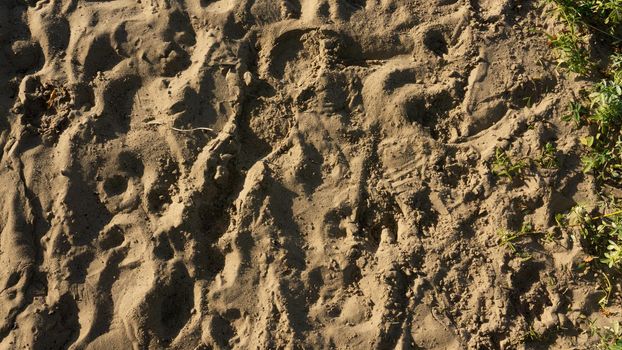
(56, 324)
(115, 185)
(111, 237)
(12, 297)
(162, 247)
(425, 330)
(428, 109)
(345, 9)
(130, 163)
(114, 102)
(304, 166)
(99, 56)
(46, 107)
(435, 41)
(399, 77)
(25, 55)
(169, 304)
(291, 8)
(287, 48)
(397, 100)
(218, 330)
(160, 185)
(378, 219)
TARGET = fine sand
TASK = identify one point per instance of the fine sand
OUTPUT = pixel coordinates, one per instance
(284, 174)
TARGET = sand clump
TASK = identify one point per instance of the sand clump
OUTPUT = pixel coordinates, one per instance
(276, 174)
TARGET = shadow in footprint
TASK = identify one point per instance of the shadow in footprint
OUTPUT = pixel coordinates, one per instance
(118, 100)
(170, 304)
(434, 40)
(59, 327)
(100, 57)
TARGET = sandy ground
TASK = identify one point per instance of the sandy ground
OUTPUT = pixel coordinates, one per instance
(283, 174)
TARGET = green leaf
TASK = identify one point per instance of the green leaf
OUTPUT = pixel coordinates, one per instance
(588, 141)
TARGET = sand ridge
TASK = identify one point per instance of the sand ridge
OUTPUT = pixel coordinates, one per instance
(273, 174)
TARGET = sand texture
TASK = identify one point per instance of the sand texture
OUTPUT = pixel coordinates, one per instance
(281, 174)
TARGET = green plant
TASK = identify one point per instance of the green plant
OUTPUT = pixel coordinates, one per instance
(600, 230)
(616, 68)
(604, 112)
(601, 234)
(509, 238)
(548, 156)
(573, 12)
(604, 115)
(607, 289)
(613, 256)
(570, 52)
(531, 335)
(610, 10)
(561, 220)
(610, 337)
(606, 105)
(503, 166)
(603, 159)
(590, 13)
(576, 113)
(583, 17)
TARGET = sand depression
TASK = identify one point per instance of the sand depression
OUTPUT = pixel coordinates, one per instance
(274, 174)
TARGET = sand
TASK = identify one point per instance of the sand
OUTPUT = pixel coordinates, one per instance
(283, 174)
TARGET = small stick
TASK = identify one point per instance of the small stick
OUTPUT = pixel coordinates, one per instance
(609, 215)
(181, 130)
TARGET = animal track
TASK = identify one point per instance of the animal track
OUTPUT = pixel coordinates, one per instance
(99, 57)
(270, 174)
(111, 238)
(115, 185)
(427, 110)
(159, 189)
(434, 40)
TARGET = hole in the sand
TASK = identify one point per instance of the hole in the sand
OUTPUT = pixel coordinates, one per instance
(100, 57)
(115, 185)
(176, 301)
(162, 248)
(158, 197)
(112, 238)
(293, 8)
(416, 111)
(78, 266)
(286, 50)
(434, 40)
(232, 314)
(427, 110)
(359, 4)
(12, 280)
(26, 55)
(324, 9)
(400, 77)
(221, 330)
(351, 274)
(130, 163)
(83, 96)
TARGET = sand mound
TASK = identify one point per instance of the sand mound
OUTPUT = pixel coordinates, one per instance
(276, 174)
